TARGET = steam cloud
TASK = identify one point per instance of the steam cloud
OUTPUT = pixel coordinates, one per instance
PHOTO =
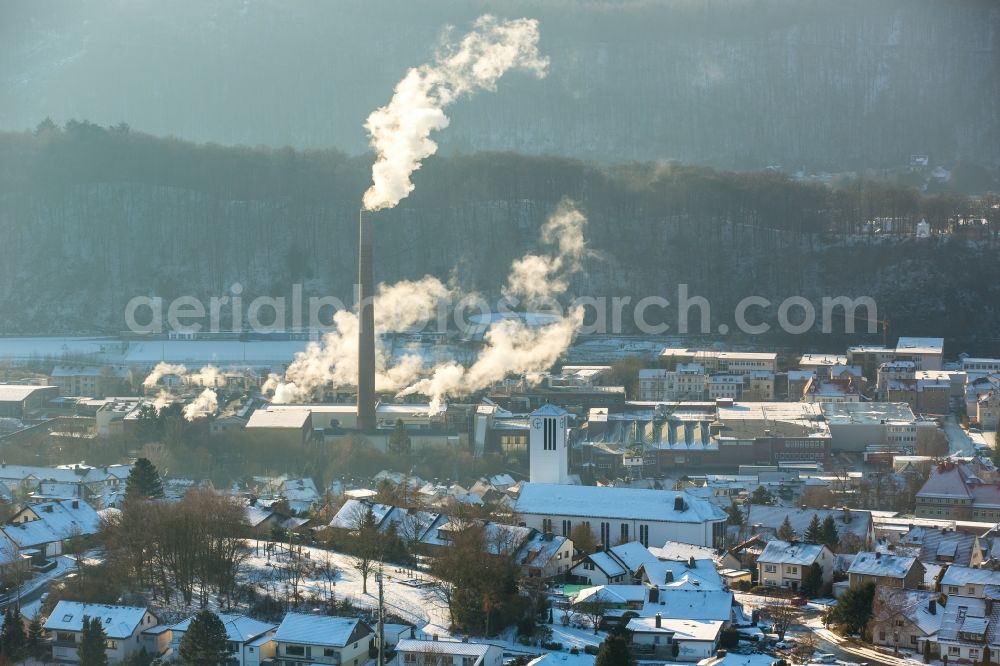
(400, 307)
(512, 347)
(400, 131)
(205, 404)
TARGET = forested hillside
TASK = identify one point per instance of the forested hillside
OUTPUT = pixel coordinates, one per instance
(91, 217)
(739, 84)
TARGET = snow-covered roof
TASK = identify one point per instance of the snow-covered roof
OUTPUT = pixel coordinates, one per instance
(278, 418)
(958, 575)
(734, 659)
(857, 522)
(539, 549)
(299, 490)
(549, 410)
(612, 594)
(877, 564)
(675, 550)
(118, 621)
(920, 346)
(783, 552)
(239, 628)
(461, 648)
(701, 574)
(914, 605)
(682, 629)
(624, 503)
(632, 554)
(20, 392)
(692, 603)
(317, 629)
(64, 473)
(57, 520)
(609, 565)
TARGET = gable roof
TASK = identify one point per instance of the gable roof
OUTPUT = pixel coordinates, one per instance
(318, 629)
(877, 564)
(693, 604)
(958, 575)
(119, 621)
(911, 604)
(57, 520)
(674, 573)
(854, 521)
(783, 552)
(239, 628)
(463, 648)
(625, 503)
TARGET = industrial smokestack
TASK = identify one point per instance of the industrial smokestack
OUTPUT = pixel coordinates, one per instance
(366, 327)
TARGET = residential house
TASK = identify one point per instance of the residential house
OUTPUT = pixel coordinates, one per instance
(886, 570)
(906, 619)
(304, 640)
(784, 564)
(969, 582)
(969, 625)
(42, 528)
(988, 410)
(96, 485)
(941, 545)
(960, 491)
(617, 564)
(413, 652)
(123, 627)
(654, 638)
(242, 633)
(854, 527)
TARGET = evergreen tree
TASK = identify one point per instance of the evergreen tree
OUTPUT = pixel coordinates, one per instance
(735, 515)
(927, 652)
(785, 532)
(143, 481)
(761, 495)
(93, 643)
(854, 608)
(399, 440)
(36, 638)
(830, 535)
(812, 580)
(12, 635)
(613, 652)
(814, 533)
(204, 642)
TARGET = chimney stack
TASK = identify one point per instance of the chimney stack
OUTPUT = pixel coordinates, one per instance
(366, 327)
(659, 621)
(932, 606)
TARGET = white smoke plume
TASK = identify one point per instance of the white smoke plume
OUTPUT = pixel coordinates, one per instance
(400, 131)
(162, 399)
(209, 376)
(512, 347)
(160, 371)
(400, 307)
(537, 279)
(204, 405)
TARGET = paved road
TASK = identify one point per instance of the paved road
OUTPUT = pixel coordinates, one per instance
(959, 443)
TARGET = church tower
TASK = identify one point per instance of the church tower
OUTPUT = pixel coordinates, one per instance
(548, 450)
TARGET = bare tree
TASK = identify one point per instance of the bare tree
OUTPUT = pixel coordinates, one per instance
(591, 609)
(782, 614)
(366, 544)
